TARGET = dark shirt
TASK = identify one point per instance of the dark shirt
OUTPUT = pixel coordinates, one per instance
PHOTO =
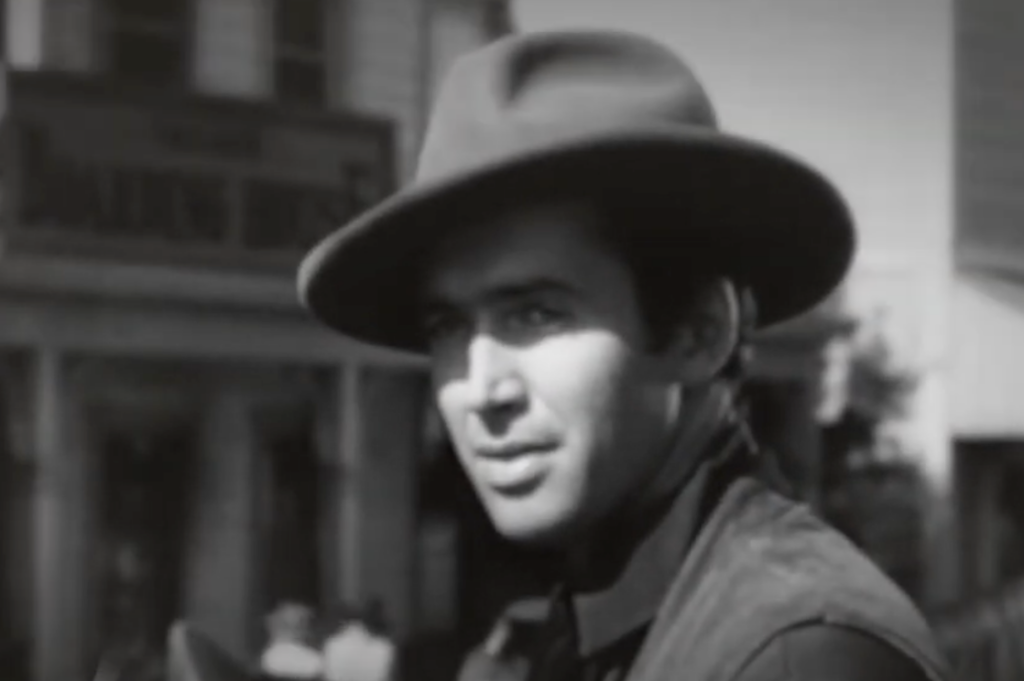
(479, 666)
(598, 622)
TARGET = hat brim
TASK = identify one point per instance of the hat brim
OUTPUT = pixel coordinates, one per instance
(767, 220)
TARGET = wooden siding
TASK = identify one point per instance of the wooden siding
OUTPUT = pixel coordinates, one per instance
(990, 134)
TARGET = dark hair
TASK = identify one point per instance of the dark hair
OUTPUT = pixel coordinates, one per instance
(665, 291)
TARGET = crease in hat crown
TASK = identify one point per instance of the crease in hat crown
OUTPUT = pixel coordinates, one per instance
(524, 93)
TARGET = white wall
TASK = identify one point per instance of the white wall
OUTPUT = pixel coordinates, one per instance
(989, 369)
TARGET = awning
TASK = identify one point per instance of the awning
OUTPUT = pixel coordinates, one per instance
(987, 351)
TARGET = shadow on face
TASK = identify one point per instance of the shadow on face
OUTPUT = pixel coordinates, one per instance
(541, 369)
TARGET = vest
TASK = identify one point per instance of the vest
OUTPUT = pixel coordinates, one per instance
(762, 565)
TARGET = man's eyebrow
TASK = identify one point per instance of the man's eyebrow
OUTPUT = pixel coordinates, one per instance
(531, 287)
(439, 303)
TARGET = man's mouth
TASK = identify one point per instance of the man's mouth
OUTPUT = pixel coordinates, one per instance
(512, 469)
(511, 450)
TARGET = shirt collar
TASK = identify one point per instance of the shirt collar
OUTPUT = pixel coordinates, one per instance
(644, 562)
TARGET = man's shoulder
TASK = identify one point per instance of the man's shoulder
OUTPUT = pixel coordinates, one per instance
(825, 651)
(760, 532)
(779, 554)
(764, 565)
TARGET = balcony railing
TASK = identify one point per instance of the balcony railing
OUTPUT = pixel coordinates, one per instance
(92, 167)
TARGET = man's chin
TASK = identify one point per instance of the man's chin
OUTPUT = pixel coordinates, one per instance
(538, 532)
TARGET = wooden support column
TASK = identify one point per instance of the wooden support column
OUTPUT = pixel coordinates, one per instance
(16, 499)
(332, 419)
(61, 536)
(382, 502)
(352, 493)
(220, 570)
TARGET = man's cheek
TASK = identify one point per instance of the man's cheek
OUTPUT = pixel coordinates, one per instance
(447, 405)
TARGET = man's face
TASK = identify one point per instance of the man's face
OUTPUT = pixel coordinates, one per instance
(538, 351)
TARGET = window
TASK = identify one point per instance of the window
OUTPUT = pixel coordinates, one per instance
(299, 51)
(990, 475)
(147, 42)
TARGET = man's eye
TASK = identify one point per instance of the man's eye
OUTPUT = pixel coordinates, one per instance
(440, 327)
(535, 317)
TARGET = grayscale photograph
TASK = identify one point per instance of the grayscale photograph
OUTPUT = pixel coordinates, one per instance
(511, 340)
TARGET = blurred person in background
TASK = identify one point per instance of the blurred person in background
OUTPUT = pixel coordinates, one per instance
(290, 654)
(361, 649)
(581, 257)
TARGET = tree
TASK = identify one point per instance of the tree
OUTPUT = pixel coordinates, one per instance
(872, 489)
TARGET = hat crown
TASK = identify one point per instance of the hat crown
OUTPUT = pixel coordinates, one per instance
(525, 93)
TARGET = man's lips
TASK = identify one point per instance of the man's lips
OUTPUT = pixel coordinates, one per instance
(512, 469)
(504, 452)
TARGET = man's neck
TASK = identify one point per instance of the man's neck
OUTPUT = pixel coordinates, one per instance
(703, 415)
(705, 412)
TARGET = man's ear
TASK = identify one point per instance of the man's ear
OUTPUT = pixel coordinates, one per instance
(708, 334)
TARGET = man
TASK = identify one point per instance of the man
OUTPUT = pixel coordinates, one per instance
(581, 256)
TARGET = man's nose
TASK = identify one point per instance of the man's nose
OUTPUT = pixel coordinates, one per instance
(492, 381)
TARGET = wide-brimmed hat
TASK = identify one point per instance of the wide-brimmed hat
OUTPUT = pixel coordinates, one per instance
(586, 113)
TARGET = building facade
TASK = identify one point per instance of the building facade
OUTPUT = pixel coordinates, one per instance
(982, 625)
(178, 439)
(988, 417)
